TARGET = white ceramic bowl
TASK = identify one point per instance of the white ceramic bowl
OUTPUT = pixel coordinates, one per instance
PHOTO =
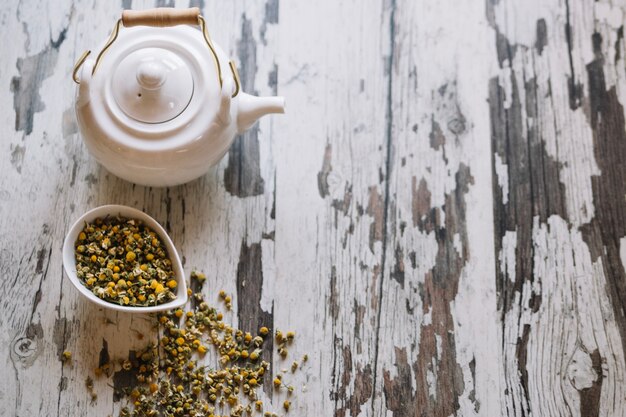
(69, 259)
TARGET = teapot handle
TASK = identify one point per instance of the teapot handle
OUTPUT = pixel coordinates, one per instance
(161, 17)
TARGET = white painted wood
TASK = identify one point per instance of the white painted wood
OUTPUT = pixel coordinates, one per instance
(330, 152)
(376, 230)
(440, 134)
(575, 317)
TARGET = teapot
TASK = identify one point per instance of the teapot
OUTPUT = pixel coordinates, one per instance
(161, 103)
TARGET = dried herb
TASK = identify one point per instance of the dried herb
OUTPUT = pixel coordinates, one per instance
(89, 385)
(123, 261)
(282, 342)
(170, 381)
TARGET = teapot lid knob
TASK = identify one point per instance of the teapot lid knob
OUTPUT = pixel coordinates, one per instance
(151, 75)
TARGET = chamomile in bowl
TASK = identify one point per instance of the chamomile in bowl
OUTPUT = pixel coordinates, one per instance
(121, 258)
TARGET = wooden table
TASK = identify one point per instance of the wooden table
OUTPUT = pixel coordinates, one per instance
(440, 215)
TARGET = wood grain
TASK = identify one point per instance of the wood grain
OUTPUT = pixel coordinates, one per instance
(440, 216)
(437, 355)
(558, 299)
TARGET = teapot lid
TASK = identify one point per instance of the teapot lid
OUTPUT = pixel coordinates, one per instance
(152, 85)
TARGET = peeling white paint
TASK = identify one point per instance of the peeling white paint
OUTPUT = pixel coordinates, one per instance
(504, 80)
(474, 307)
(507, 254)
(575, 312)
(502, 174)
(431, 380)
(426, 245)
(458, 245)
(427, 320)
(438, 345)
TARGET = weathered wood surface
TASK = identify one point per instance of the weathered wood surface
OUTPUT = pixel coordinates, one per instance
(441, 214)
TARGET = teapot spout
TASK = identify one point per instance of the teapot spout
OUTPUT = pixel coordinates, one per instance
(251, 108)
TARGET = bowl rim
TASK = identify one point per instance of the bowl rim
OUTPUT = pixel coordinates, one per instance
(69, 259)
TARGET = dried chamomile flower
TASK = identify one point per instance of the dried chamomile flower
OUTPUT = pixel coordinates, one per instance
(124, 262)
(171, 382)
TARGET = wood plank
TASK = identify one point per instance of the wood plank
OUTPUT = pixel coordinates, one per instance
(559, 275)
(438, 344)
(330, 164)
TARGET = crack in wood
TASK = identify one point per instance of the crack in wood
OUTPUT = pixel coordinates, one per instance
(322, 176)
(333, 299)
(40, 270)
(343, 381)
(472, 393)
(575, 89)
(380, 271)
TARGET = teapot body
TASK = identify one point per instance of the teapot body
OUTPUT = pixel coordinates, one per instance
(155, 129)
(155, 163)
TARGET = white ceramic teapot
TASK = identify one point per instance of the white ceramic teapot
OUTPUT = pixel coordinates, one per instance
(161, 103)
